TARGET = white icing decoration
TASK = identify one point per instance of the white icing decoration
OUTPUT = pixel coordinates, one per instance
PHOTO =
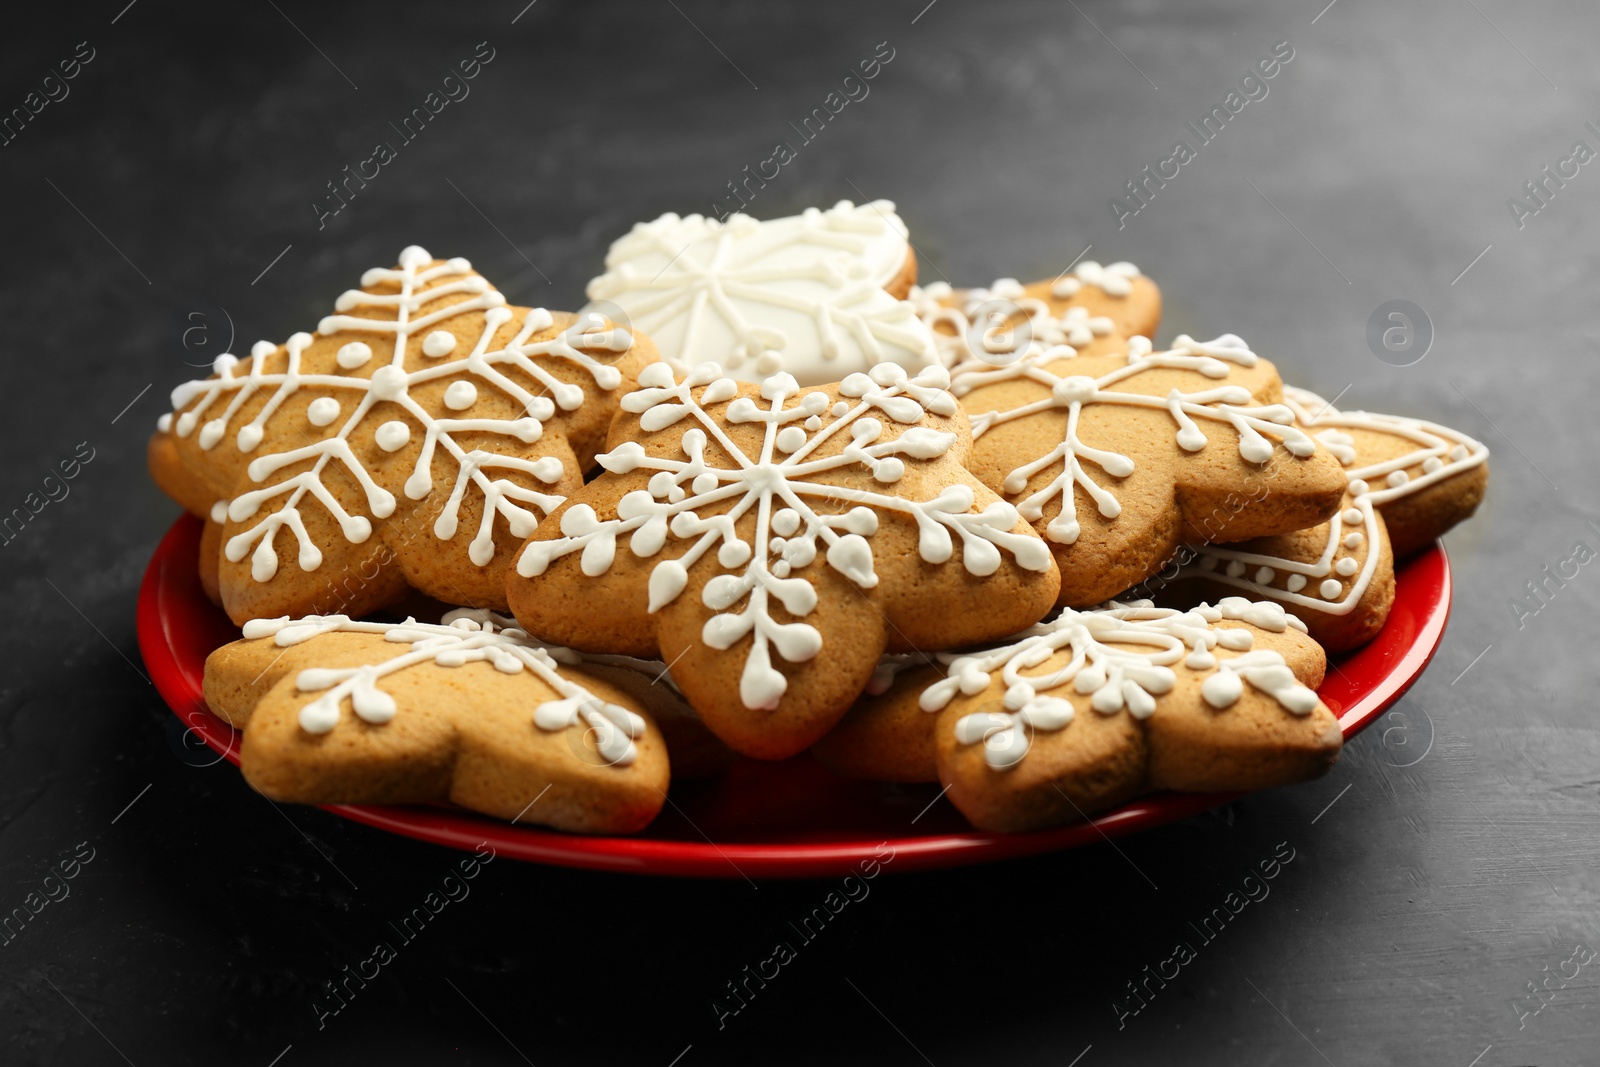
(1113, 280)
(1230, 404)
(413, 311)
(779, 492)
(1073, 328)
(322, 411)
(1441, 453)
(353, 355)
(802, 294)
(1265, 575)
(438, 343)
(467, 635)
(1114, 676)
(460, 395)
(393, 435)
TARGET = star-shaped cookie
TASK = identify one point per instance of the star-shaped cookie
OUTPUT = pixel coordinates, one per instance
(1409, 482)
(1092, 708)
(816, 295)
(413, 442)
(771, 541)
(471, 710)
(1117, 458)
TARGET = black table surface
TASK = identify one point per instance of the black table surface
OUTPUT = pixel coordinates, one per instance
(1443, 893)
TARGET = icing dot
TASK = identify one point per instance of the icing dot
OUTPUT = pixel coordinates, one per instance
(1353, 515)
(841, 409)
(460, 396)
(1235, 569)
(353, 355)
(1208, 563)
(1330, 589)
(1296, 583)
(1353, 539)
(786, 521)
(1431, 464)
(1397, 478)
(322, 410)
(392, 436)
(388, 383)
(791, 438)
(1347, 566)
(1265, 575)
(1359, 487)
(438, 343)
(1459, 453)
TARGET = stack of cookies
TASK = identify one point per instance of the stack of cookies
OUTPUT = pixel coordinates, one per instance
(763, 495)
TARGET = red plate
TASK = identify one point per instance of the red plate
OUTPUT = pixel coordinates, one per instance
(792, 819)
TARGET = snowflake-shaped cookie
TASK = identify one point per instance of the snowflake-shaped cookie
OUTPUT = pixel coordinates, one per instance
(777, 539)
(1093, 707)
(424, 409)
(1409, 482)
(805, 295)
(1077, 441)
(471, 710)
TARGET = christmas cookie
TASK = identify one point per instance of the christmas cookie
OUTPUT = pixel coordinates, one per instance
(772, 541)
(990, 323)
(816, 295)
(414, 441)
(1093, 708)
(1409, 482)
(1119, 458)
(470, 711)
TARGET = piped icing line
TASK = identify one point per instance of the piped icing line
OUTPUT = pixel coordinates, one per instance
(777, 486)
(1230, 404)
(1113, 676)
(1352, 529)
(240, 380)
(466, 635)
(737, 291)
(1441, 452)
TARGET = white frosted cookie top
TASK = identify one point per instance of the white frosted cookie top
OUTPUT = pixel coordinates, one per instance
(803, 294)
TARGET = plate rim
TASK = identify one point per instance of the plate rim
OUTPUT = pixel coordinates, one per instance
(1426, 575)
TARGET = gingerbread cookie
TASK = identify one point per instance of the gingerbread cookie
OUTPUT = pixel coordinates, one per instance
(816, 295)
(414, 441)
(1409, 482)
(471, 711)
(1117, 291)
(1095, 707)
(991, 323)
(1119, 458)
(772, 541)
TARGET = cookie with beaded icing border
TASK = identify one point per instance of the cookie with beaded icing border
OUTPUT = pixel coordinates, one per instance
(470, 710)
(1407, 475)
(1093, 708)
(1119, 458)
(816, 295)
(413, 442)
(772, 541)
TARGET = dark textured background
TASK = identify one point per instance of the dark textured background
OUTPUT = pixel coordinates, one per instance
(1416, 910)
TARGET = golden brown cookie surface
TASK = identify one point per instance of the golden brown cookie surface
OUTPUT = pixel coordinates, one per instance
(470, 710)
(414, 440)
(1093, 708)
(1409, 482)
(772, 541)
(1119, 458)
